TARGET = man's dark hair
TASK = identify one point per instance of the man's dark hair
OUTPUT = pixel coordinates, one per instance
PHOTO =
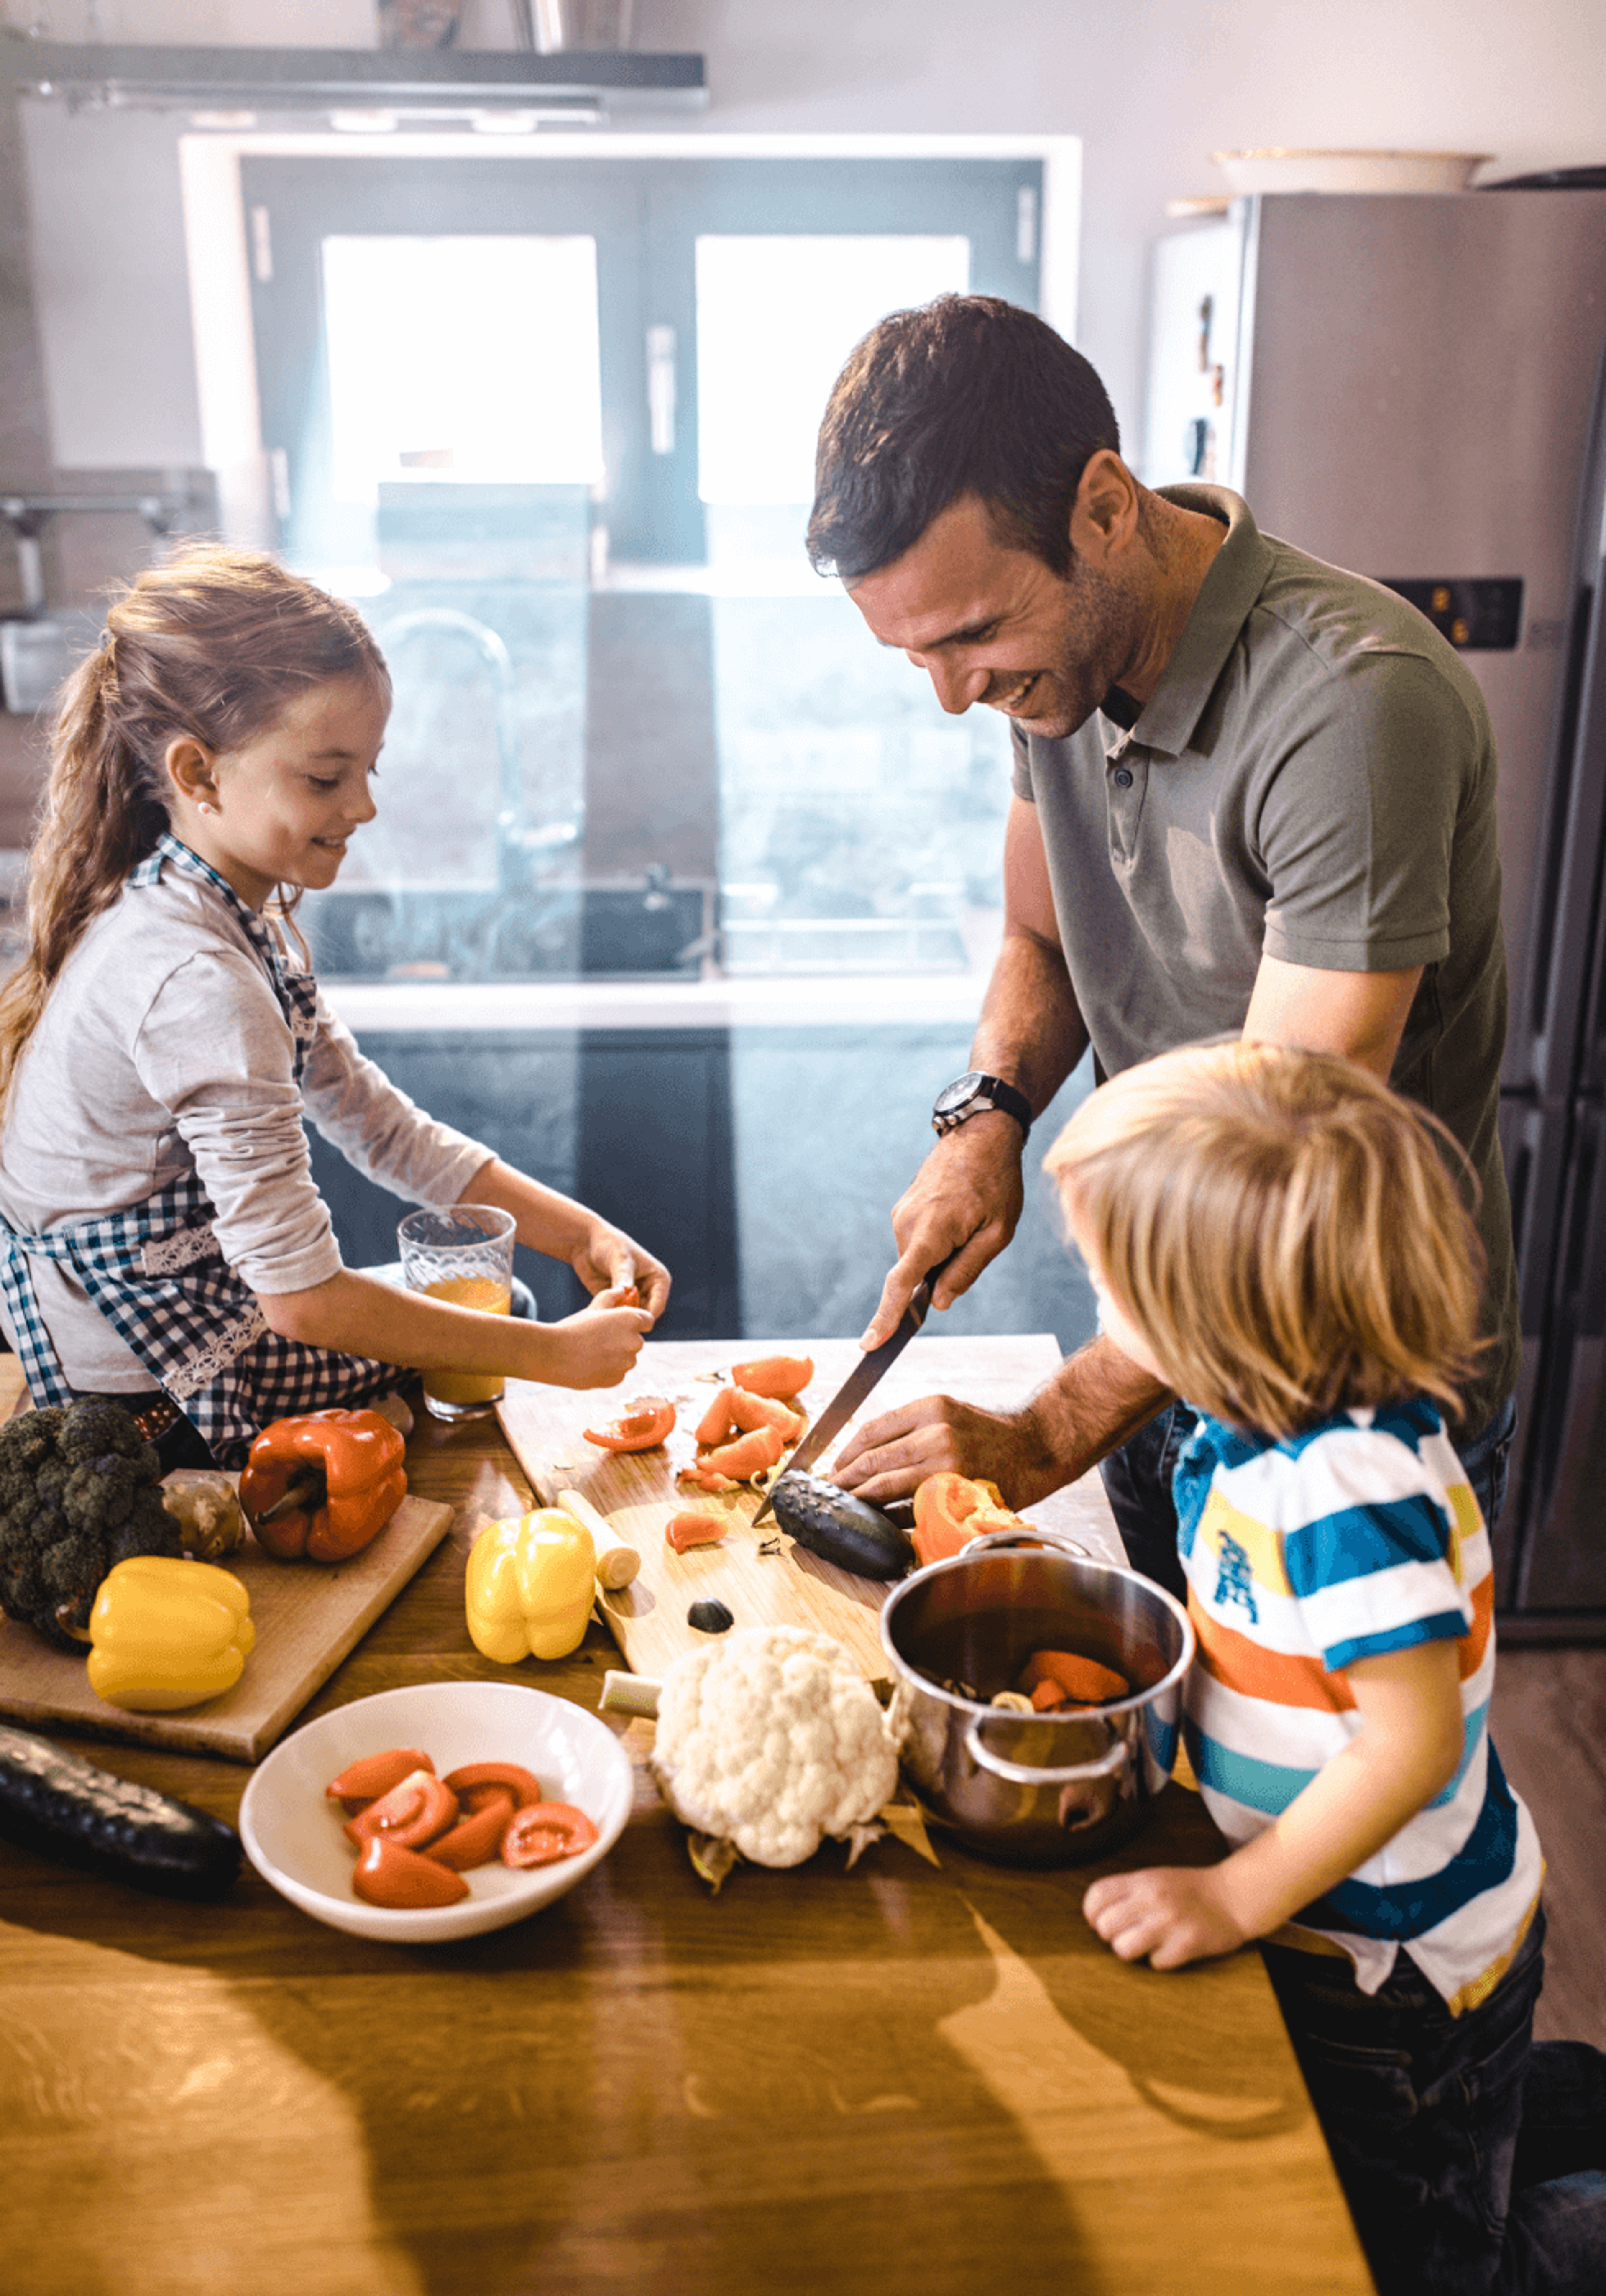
(967, 395)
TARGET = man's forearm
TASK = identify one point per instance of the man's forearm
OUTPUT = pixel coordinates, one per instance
(1093, 1403)
(1031, 1032)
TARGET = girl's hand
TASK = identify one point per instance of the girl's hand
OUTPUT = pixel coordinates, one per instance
(598, 1345)
(607, 1262)
(1169, 1914)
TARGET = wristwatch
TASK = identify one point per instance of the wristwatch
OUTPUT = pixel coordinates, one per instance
(971, 1093)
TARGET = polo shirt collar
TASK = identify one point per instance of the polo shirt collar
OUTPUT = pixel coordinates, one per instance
(1236, 577)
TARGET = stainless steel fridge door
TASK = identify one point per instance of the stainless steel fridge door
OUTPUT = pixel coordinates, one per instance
(1560, 1551)
(1416, 399)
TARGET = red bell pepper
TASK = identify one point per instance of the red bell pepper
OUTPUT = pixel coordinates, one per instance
(323, 1485)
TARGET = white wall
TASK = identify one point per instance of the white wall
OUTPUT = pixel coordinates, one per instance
(1152, 87)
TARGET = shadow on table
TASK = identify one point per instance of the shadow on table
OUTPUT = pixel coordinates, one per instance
(910, 2078)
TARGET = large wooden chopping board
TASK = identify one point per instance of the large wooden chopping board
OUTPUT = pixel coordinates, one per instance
(307, 1616)
(637, 1492)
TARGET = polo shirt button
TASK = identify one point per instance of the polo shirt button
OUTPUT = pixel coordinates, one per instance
(1122, 777)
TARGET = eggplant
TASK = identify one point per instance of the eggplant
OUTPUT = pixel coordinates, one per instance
(840, 1527)
(64, 1807)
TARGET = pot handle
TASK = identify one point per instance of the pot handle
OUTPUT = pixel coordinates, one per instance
(1033, 1537)
(1020, 1774)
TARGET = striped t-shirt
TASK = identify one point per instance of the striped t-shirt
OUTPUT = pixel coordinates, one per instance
(1357, 1537)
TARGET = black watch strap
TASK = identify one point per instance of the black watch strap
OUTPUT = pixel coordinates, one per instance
(981, 1091)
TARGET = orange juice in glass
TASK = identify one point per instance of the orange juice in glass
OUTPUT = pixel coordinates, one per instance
(464, 1255)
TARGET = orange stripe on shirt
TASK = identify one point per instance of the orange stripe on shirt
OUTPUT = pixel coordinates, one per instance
(1283, 1679)
(1476, 1641)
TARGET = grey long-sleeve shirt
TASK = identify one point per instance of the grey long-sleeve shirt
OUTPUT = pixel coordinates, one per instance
(163, 1049)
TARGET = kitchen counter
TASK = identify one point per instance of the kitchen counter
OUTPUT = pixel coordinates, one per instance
(917, 2077)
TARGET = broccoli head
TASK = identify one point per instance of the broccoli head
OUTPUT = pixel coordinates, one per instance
(80, 1490)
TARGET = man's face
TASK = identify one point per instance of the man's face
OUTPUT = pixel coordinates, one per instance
(989, 622)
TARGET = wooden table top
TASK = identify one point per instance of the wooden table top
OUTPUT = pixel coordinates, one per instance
(911, 2077)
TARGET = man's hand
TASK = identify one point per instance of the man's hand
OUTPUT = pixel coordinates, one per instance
(890, 1456)
(965, 1199)
(1092, 1404)
(1165, 1915)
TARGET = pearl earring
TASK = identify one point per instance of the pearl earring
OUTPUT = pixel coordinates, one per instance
(207, 808)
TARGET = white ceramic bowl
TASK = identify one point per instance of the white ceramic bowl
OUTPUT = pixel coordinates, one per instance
(293, 1833)
(1281, 170)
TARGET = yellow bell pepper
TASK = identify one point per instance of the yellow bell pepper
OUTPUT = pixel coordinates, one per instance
(166, 1632)
(529, 1587)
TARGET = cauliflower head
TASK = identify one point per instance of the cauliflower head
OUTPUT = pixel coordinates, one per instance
(771, 1739)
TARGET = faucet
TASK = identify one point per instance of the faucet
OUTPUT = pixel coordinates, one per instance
(519, 846)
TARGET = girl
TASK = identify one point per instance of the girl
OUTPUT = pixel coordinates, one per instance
(161, 1240)
(1277, 1236)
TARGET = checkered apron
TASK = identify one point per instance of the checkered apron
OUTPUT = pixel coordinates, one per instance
(155, 1273)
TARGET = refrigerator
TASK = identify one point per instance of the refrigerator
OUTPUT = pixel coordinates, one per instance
(1411, 386)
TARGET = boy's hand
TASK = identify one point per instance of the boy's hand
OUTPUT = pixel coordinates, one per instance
(1170, 1915)
(599, 1344)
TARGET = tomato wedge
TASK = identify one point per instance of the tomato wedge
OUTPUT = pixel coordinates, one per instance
(475, 1779)
(387, 1875)
(544, 1832)
(362, 1782)
(641, 1429)
(475, 1840)
(410, 1814)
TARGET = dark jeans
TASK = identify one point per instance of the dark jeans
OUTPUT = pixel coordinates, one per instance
(1421, 2112)
(1137, 1480)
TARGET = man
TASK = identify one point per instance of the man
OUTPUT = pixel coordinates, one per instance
(1252, 794)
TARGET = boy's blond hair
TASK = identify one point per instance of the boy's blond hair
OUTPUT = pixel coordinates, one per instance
(1283, 1230)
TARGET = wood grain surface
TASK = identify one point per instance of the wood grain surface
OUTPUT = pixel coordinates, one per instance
(308, 1615)
(922, 2077)
(762, 1578)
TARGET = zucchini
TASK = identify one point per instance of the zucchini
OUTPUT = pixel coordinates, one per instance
(57, 1803)
(840, 1527)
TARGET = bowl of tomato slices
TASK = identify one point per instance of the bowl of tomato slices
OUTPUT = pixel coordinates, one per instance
(438, 1811)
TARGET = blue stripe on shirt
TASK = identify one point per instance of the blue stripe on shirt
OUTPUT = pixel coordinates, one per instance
(1268, 1786)
(1354, 1542)
(1404, 1909)
(1441, 1627)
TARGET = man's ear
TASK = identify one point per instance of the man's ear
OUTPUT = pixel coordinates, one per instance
(1104, 512)
(187, 764)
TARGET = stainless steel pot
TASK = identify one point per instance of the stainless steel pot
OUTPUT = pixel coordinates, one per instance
(1033, 1790)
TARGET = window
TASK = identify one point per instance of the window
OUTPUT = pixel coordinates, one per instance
(553, 422)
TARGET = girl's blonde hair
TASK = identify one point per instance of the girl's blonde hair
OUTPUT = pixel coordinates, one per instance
(1283, 1230)
(214, 643)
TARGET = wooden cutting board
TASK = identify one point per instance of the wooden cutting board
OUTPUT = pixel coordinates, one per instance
(787, 1587)
(308, 1615)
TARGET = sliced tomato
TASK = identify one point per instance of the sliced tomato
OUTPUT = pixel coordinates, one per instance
(695, 1530)
(544, 1832)
(475, 1840)
(781, 1376)
(411, 1814)
(751, 1412)
(641, 1428)
(362, 1782)
(475, 1779)
(388, 1874)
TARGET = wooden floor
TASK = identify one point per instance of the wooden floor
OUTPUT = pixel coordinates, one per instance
(1549, 1726)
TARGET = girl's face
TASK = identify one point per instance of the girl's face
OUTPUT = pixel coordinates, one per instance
(285, 803)
(1114, 1321)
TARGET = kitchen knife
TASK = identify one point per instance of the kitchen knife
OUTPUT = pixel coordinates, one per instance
(859, 1383)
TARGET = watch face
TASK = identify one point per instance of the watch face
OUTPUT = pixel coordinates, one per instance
(955, 1094)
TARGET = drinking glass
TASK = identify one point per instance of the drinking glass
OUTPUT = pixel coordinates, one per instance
(465, 1255)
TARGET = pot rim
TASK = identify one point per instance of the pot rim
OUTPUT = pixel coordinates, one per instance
(1078, 1553)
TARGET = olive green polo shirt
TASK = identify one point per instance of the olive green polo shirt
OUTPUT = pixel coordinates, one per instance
(1313, 778)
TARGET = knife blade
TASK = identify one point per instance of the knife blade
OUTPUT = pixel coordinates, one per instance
(859, 1383)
